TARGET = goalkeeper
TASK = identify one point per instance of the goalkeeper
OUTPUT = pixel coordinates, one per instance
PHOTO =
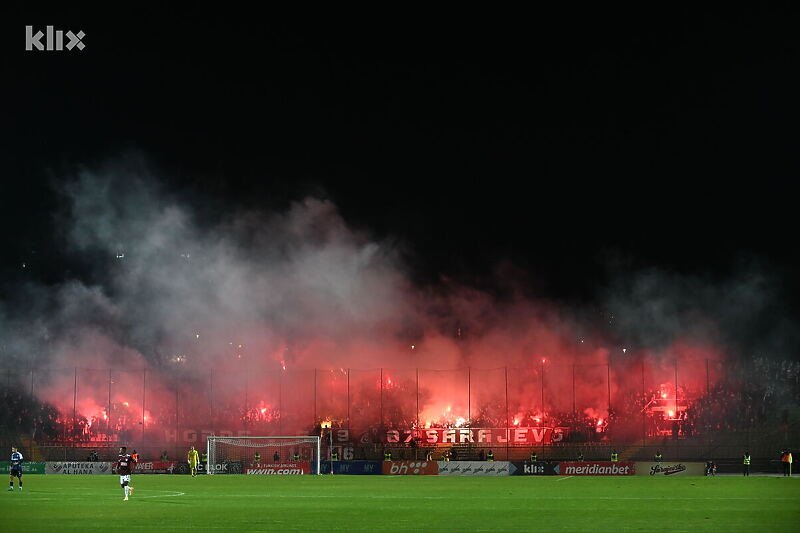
(192, 458)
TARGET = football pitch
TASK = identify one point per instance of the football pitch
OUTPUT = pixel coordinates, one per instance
(404, 503)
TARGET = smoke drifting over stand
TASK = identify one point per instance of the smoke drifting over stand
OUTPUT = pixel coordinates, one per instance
(273, 321)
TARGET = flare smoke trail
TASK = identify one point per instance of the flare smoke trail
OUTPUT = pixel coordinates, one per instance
(223, 312)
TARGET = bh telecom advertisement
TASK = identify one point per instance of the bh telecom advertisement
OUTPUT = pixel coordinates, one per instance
(670, 469)
(68, 468)
(280, 469)
(410, 468)
(352, 467)
(598, 468)
(475, 468)
(27, 468)
(539, 468)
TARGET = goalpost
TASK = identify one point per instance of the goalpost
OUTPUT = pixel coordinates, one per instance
(263, 455)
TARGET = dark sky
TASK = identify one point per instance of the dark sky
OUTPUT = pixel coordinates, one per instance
(566, 144)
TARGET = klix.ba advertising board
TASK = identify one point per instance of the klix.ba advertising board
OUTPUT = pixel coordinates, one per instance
(539, 468)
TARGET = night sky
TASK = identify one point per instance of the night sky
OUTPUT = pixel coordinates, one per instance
(566, 148)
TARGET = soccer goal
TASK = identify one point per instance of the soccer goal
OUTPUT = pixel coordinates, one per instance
(263, 455)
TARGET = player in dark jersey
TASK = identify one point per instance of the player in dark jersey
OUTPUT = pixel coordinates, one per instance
(125, 465)
(15, 468)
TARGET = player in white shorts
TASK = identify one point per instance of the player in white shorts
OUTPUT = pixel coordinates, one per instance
(124, 466)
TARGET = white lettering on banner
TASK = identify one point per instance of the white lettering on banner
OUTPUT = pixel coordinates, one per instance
(392, 436)
(274, 471)
(465, 435)
(484, 435)
(670, 469)
(598, 469)
(474, 468)
(69, 468)
(417, 468)
(449, 436)
(290, 468)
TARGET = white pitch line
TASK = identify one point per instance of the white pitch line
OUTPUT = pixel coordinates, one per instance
(563, 478)
(171, 494)
(498, 497)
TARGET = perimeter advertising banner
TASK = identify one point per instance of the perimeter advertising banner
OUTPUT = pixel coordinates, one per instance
(156, 467)
(539, 468)
(410, 468)
(598, 468)
(670, 469)
(280, 469)
(352, 467)
(476, 468)
(77, 468)
(27, 468)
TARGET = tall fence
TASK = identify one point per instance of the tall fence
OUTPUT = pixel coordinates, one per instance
(626, 401)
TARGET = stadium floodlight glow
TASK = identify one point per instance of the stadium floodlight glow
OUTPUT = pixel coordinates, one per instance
(232, 455)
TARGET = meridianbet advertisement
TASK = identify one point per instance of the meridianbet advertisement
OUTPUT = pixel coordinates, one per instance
(598, 468)
(670, 469)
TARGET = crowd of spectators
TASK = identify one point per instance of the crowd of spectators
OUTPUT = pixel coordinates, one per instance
(757, 393)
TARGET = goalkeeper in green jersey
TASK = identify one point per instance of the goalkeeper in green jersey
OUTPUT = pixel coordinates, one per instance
(193, 459)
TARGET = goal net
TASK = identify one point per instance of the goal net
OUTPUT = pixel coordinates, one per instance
(263, 455)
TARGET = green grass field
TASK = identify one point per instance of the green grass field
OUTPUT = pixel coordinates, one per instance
(404, 503)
